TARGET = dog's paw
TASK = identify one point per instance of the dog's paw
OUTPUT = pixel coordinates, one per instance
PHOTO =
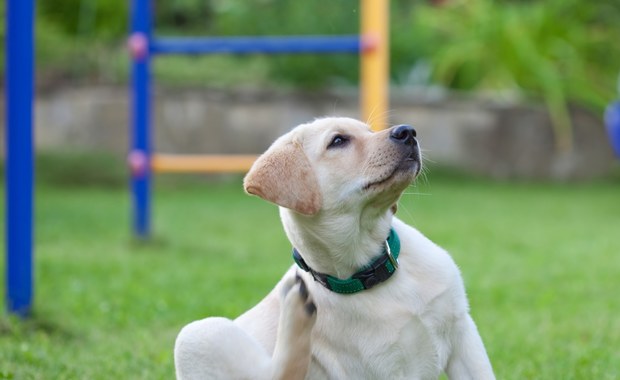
(298, 315)
(309, 304)
(299, 311)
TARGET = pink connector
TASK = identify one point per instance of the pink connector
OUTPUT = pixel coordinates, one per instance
(137, 162)
(138, 46)
(370, 42)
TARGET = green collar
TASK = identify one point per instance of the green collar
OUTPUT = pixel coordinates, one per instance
(378, 271)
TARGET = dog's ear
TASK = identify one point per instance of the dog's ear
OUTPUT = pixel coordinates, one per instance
(283, 175)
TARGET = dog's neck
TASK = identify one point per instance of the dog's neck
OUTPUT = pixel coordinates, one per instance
(338, 245)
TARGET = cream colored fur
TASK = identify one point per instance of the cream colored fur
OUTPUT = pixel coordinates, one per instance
(337, 204)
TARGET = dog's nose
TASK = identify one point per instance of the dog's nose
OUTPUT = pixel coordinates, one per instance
(404, 134)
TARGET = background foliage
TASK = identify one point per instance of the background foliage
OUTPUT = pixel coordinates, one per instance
(556, 50)
(560, 51)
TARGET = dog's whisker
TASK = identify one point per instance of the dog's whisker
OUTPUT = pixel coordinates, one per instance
(427, 159)
(412, 190)
(408, 214)
(383, 117)
(416, 193)
(424, 178)
(372, 116)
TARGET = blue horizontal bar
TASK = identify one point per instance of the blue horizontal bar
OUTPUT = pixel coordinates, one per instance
(249, 45)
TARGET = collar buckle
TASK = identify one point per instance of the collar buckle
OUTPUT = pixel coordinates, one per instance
(391, 257)
(373, 276)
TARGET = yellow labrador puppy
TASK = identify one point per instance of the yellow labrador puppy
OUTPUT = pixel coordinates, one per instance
(369, 296)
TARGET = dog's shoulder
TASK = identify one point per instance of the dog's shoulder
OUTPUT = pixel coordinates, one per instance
(427, 254)
(432, 271)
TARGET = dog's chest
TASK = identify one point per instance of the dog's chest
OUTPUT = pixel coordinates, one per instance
(383, 341)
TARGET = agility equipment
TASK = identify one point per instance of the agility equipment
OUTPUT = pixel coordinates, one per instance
(372, 46)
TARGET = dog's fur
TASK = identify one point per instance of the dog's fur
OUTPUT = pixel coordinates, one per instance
(337, 201)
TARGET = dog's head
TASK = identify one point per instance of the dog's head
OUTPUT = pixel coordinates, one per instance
(334, 164)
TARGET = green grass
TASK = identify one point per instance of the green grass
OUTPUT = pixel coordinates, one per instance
(540, 262)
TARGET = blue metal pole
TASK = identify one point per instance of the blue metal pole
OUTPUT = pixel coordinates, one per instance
(612, 123)
(19, 155)
(140, 154)
(252, 45)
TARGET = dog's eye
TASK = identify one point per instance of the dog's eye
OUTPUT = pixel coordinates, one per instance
(338, 141)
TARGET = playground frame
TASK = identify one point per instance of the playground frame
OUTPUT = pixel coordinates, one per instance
(372, 45)
(19, 155)
(20, 16)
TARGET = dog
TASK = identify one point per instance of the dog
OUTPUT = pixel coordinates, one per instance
(368, 297)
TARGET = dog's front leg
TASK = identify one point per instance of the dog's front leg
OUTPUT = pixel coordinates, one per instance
(469, 360)
(292, 352)
(217, 348)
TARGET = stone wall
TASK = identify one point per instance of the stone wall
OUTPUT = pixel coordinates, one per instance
(487, 138)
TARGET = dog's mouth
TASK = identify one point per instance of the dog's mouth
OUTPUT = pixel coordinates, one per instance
(408, 168)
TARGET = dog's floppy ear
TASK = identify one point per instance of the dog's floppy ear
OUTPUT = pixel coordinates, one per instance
(283, 175)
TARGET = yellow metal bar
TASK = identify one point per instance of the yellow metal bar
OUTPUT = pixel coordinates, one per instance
(171, 163)
(374, 77)
(374, 70)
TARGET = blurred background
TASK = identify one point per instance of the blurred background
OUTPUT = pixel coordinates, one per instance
(484, 80)
(522, 186)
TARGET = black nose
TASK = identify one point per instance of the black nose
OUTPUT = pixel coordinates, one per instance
(404, 134)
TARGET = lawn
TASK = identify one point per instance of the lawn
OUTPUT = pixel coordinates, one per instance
(541, 264)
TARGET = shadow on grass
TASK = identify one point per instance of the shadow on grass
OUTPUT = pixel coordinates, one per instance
(12, 326)
(154, 243)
